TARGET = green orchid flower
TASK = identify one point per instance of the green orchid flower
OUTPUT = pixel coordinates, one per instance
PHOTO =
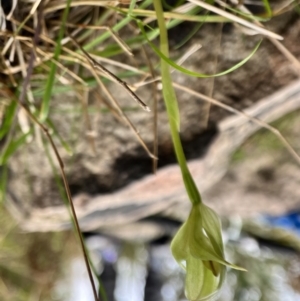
(198, 248)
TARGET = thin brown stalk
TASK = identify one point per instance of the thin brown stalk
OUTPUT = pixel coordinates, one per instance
(115, 103)
(27, 74)
(68, 192)
(98, 66)
(121, 113)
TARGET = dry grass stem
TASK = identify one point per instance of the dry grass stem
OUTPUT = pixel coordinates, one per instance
(289, 56)
(239, 20)
(247, 116)
(98, 66)
(116, 104)
(83, 95)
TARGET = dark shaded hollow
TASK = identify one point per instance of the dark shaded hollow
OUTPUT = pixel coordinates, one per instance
(131, 167)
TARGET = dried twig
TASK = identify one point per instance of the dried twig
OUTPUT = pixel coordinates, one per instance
(97, 65)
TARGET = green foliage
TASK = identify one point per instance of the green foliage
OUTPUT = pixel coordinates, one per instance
(51, 77)
(12, 146)
(8, 119)
(172, 109)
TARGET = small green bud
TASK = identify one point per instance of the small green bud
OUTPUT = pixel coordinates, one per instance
(198, 248)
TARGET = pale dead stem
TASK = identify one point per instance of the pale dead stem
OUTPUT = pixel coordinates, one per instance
(6, 63)
(114, 34)
(241, 113)
(83, 95)
(16, 30)
(285, 6)
(74, 57)
(14, 4)
(2, 19)
(228, 108)
(234, 18)
(288, 55)
(49, 57)
(58, 5)
(179, 13)
(206, 109)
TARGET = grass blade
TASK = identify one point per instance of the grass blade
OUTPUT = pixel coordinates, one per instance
(8, 119)
(192, 73)
(50, 82)
(12, 147)
(3, 182)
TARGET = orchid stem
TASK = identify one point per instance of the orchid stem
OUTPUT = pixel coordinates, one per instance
(172, 109)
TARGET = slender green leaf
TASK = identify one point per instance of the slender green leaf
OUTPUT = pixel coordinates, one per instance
(50, 82)
(12, 147)
(192, 73)
(3, 182)
(268, 8)
(246, 15)
(98, 40)
(8, 118)
(297, 7)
